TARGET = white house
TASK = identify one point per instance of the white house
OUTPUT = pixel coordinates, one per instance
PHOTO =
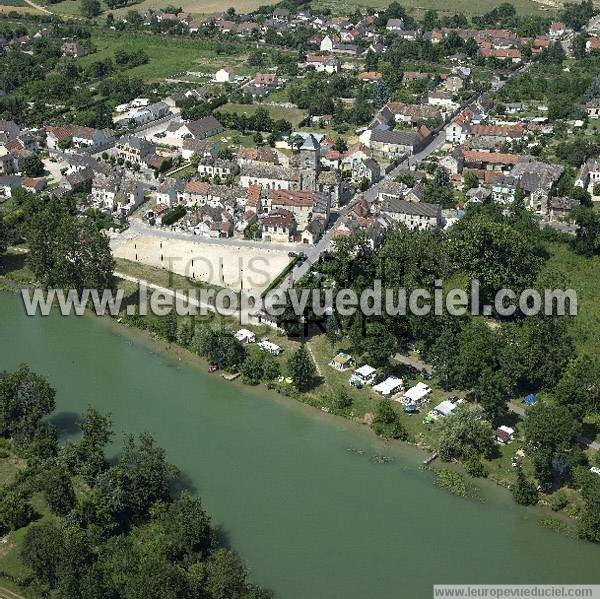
(225, 75)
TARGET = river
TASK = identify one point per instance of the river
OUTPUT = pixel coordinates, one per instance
(309, 517)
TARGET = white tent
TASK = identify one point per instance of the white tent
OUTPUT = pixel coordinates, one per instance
(416, 395)
(445, 408)
(389, 386)
(245, 336)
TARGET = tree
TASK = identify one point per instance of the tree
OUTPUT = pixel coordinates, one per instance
(3, 235)
(187, 533)
(15, 511)
(33, 166)
(550, 430)
(68, 253)
(40, 551)
(96, 431)
(465, 433)
(579, 386)
(140, 477)
(381, 94)
(387, 422)
(587, 237)
(485, 248)
(490, 391)
(470, 180)
(302, 368)
(90, 8)
(524, 491)
(25, 398)
(58, 490)
(341, 399)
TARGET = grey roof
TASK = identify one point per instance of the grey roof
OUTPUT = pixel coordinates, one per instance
(411, 208)
(137, 143)
(531, 176)
(204, 125)
(310, 143)
(398, 138)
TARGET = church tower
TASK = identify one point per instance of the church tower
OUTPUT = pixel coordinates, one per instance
(310, 163)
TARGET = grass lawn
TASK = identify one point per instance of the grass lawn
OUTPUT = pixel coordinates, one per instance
(293, 115)
(582, 275)
(167, 55)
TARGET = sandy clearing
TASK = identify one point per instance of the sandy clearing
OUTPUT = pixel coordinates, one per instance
(214, 263)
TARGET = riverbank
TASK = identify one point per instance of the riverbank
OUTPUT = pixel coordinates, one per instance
(422, 436)
(298, 493)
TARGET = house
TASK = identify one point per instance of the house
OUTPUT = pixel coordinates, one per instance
(245, 336)
(536, 179)
(444, 100)
(417, 395)
(200, 147)
(281, 14)
(504, 434)
(267, 176)
(133, 149)
(413, 113)
(328, 43)
(225, 75)
(323, 63)
(592, 44)
(267, 80)
(557, 30)
(73, 49)
(199, 129)
(459, 127)
(365, 375)
(34, 185)
(395, 25)
(149, 113)
(211, 167)
(342, 362)
(394, 144)
(269, 347)
(8, 183)
(278, 226)
(390, 386)
(415, 215)
(593, 108)
(74, 135)
(370, 76)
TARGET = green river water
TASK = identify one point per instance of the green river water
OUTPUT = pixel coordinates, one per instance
(310, 518)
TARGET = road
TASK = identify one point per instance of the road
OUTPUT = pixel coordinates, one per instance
(7, 594)
(137, 227)
(38, 7)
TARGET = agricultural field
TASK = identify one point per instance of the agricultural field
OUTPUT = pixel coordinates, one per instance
(418, 7)
(167, 56)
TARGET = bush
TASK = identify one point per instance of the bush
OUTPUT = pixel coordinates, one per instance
(559, 501)
(174, 215)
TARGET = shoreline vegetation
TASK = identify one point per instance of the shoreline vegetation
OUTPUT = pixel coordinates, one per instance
(71, 518)
(453, 477)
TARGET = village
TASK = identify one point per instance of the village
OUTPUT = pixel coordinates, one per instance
(420, 161)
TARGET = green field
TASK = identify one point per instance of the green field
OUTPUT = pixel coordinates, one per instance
(293, 115)
(582, 275)
(168, 56)
(420, 6)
